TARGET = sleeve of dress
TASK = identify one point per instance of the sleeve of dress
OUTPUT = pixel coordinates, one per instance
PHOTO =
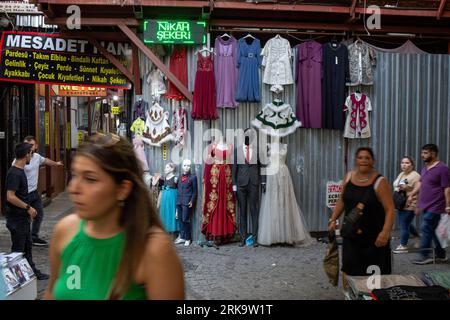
(216, 50)
(239, 53)
(296, 63)
(258, 53)
(264, 53)
(346, 66)
(368, 104)
(373, 57)
(347, 105)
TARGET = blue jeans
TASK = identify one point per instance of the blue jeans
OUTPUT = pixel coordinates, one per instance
(405, 218)
(430, 221)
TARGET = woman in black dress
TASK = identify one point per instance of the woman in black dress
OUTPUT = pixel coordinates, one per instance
(371, 247)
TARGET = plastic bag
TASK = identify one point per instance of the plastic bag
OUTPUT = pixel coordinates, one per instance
(443, 230)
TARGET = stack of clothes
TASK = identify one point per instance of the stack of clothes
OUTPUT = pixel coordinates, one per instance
(428, 286)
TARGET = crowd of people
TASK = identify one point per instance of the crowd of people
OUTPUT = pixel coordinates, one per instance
(122, 248)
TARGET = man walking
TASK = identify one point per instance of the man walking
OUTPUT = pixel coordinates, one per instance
(19, 212)
(32, 173)
(434, 200)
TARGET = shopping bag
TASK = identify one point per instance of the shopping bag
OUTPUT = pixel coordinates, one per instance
(443, 230)
(331, 260)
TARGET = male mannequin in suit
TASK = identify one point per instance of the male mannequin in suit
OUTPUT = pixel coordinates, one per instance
(186, 198)
(246, 181)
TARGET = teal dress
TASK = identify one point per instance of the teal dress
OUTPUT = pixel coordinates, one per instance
(88, 267)
(168, 206)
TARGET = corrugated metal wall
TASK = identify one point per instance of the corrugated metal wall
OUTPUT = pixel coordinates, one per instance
(410, 98)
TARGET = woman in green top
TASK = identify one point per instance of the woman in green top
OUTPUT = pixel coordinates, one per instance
(114, 246)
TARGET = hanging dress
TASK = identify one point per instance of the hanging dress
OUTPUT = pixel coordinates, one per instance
(204, 105)
(219, 206)
(157, 126)
(179, 125)
(156, 81)
(280, 219)
(357, 122)
(178, 67)
(248, 63)
(276, 119)
(168, 205)
(225, 72)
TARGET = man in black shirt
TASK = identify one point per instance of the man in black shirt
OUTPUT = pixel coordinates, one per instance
(18, 211)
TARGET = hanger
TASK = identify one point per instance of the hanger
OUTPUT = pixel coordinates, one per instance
(210, 51)
(249, 36)
(225, 35)
(278, 36)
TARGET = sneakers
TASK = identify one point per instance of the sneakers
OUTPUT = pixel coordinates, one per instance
(41, 276)
(187, 243)
(423, 261)
(39, 242)
(401, 249)
(179, 240)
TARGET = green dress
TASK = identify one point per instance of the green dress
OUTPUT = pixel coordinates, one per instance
(88, 267)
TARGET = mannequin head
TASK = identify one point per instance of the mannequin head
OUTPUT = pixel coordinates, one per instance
(170, 168)
(186, 166)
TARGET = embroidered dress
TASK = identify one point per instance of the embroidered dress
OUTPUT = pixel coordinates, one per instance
(357, 122)
(156, 81)
(248, 63)
(225, 72)
(157, 126)
(204, 105)
(277, 62)
(138, 127)
(219, 207)
(276, 119)
(362, 59)
(179, 125)
(178, 66)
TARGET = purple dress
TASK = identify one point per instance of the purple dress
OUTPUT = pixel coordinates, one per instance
(225, 72)
(309, 84)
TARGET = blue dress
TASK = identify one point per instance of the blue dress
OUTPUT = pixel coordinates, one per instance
(168, 205)
(248, 63)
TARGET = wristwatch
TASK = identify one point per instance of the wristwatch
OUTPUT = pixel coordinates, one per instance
(27, 207)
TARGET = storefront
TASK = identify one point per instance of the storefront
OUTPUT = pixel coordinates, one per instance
(407, 106)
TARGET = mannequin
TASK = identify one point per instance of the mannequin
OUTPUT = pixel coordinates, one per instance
(186, 199)
(246, 181)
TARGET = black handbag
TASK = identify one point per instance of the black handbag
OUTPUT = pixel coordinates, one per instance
(400, 199)
(350, 227)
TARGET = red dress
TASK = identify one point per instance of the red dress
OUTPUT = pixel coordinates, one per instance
(219, 206)
(178, 66)
(204, 106)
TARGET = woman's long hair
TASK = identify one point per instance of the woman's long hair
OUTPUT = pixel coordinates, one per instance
(116, 156)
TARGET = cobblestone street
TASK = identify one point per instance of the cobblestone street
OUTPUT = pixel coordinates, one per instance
(231, 272)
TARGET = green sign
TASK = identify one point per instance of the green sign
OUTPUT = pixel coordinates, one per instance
(174, 31)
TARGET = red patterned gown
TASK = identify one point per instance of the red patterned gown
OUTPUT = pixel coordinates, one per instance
(178, 66)
(204, 106)
(219, 205)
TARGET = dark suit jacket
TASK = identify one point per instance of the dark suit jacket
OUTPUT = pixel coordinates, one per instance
(246, 173)
(187, 190)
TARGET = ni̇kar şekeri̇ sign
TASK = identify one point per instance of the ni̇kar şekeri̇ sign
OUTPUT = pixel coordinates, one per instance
(51, 59)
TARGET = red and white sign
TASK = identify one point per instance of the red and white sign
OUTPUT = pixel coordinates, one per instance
(334, 190)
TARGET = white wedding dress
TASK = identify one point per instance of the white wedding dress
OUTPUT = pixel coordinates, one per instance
(280, 219)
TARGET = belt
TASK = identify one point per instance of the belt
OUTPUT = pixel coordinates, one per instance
(250, 55)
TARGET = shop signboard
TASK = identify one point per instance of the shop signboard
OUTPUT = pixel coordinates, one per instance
(334, 190)
(23, 7)
(78, 91)
(174, 31)
(34, 57)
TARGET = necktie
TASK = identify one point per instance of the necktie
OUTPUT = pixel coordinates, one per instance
(247, 154)
(184, 178)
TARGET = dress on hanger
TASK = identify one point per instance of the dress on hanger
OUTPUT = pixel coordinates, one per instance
(226, 72)
(362, 59)
(204, 105)
(140, 152)
(179, 125)
(156, 81)
(219, 206)
(157, 126)
(357, 124)
(309, 84)
(178, 66)
(276, 119)
(277, 63)
(168, 206)
(280, 220)
(140, 107)
(335, 75)
(138, 127)
(248, 63)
